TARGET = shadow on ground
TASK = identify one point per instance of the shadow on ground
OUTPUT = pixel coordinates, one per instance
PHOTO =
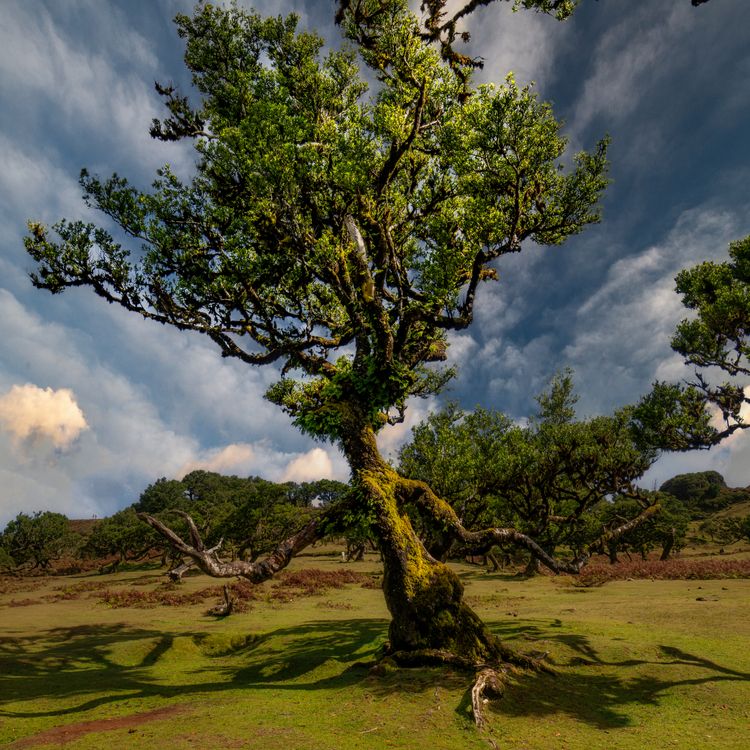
(77, 666)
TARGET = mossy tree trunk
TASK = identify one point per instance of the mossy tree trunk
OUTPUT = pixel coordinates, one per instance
(423, 595)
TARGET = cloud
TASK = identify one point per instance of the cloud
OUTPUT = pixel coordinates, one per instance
(621, 332)
(629, 60)
(29, 412)
(315, 464)
(525, 43)
(232, 459)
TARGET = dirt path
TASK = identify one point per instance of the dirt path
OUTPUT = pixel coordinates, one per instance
(70, 732)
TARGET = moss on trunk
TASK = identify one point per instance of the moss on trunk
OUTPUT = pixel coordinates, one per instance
(423, 595)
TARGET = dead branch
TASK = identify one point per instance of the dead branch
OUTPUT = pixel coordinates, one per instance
(209, 561)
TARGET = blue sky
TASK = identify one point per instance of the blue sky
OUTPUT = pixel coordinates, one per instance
(95, 404)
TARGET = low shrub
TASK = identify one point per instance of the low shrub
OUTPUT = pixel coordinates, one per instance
(314, 581)
(599, 572)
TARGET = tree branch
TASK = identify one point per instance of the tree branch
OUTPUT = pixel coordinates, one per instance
(256, 572)
(479, 541)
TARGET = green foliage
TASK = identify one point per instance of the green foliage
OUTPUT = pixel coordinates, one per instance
(121, 534)
(543, 479)
(338, 233)
(727, 530)
(666, 530)
(6, 561)
(38, 540)
(715, 339)
(703, 492)
(251, 515)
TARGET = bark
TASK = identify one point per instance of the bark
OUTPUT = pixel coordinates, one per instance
(532, 567)
(668, 545)
(423, 595)
(176, 573)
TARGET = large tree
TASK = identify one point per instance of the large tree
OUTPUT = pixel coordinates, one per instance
(339, 235)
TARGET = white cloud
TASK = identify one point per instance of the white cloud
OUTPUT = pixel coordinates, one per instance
(315, 464)
(629, 61)
(232, 459)
(524, 43)
(621, 334)
(29, 412)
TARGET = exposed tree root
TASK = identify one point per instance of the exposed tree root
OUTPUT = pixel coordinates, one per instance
(488, 682)
(490, 679)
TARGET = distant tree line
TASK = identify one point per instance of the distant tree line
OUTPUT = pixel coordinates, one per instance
(563, 480)
(246, 515)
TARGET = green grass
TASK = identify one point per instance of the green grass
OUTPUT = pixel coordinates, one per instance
(640, 664)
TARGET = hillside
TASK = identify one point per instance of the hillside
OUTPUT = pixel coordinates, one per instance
(705, 493)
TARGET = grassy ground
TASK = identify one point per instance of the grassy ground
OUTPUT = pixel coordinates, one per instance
(640, 664)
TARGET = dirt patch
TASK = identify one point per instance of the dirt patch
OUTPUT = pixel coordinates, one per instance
(70, 732)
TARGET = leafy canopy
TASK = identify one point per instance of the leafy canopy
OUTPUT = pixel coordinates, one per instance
(545, 478)
(701, 413)
(336, 232)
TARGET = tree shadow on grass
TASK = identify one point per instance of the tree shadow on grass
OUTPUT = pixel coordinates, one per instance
(596, 690)
(76, 666)
(71, 664)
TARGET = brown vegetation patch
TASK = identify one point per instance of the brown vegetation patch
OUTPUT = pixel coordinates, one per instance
(20, 585)
(168, 595)
(599, 572)
(70, 732)
(315, 581)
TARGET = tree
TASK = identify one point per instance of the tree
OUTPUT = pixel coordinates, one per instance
(727, 530)
(543, 479)
(703, 492)
(701, 413)
(666, 529)
(339, 237)
(122, 535)
(39, 539)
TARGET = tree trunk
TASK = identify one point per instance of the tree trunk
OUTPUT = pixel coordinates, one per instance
(612, 551)
(668, 545)
(532, 567)
(492, 560)
(423, 595)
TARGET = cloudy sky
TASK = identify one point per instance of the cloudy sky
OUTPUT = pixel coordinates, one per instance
(96, 404)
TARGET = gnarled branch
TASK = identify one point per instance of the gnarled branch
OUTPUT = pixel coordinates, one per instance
(479, 541)
(210, 563)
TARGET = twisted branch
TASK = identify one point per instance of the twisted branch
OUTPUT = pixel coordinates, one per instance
(210, 563)
(477, 542)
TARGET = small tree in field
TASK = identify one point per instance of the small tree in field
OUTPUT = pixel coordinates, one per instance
(35, 541)
(340, 236)
(544, 479)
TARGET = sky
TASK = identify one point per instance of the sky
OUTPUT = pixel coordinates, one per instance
(95, 403)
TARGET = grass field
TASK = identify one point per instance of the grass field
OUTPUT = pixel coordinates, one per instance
(640, 663)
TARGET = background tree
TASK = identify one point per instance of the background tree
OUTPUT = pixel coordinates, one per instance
(35, 541)
(122, 535)
(341, 237)
(727, 530)
(704, 492)
(702, 412)
(665, 530)
(544, 479)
